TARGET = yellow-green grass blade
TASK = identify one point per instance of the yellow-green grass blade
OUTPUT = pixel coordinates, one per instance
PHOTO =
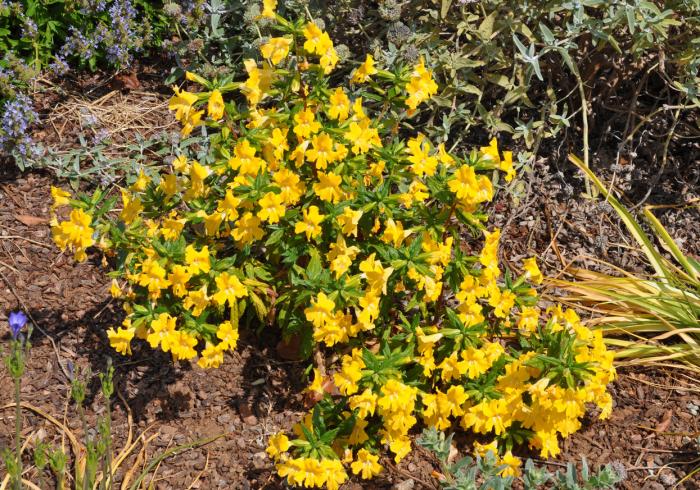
(634, 228)
(671, 246)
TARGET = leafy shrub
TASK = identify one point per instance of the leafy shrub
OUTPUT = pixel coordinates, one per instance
(88, 33)
(312, 211)
(496, 473)
(530, 70)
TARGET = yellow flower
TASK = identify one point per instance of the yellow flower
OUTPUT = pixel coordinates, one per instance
(375, 274)
(444, 157)
(338, 105)
(362, 136)
(247, 229)
(316, 385)
(131, 208)
(364, 71)
(470, 188)
(196, 301)
(332, 474)
(244, 159)
(421, 86)
(341, 256)
(506, 165)
(276, 49)
(330, 57)
(161, 329)
(278, 143)
(291, 187)
(394, 233)
(198, 174)
(215, 106)
(229, 206)
(490, 153)
(193, 77)
(181, 103)
(228, 334)
(321, 151)
(475, 362)
(529, 319)
(269, 7)
(311, 225)
(230, 288)
(422, 162)
(400, 446)
(502, 301)
(172, 227)
(306, 123)
(366, 464)
(75, 234)
(334, 329)
(141, 182)
(358, 434)
(259, 80)
(212, 356)
(328, 187)
(320, 311)
(120, 340)
(182, 345)
(178, 278)
(197, 261)
(152, 276)
(115, 290)
(546, 442)
(272, 208)
(349, 220)
(277, 444)
(212, 222)
(346, 380)
(417, 192)
(313, 35)
(60, 197)
(169, 185)
(191, 121)
(365, 403)
(532, 272)
(180, 164)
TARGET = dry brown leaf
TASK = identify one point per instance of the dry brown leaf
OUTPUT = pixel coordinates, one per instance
(665, 421)
(28, 220)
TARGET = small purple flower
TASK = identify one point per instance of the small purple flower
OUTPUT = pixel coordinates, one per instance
(16, 117)
(17, 321)
(71, 370)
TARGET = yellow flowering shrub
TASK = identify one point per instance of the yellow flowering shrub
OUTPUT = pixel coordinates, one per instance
(313, 212)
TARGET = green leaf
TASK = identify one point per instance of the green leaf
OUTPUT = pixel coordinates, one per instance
(446, 4)
(485, 29)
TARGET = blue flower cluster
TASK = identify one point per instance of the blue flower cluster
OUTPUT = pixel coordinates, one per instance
(79, 45)
(16, 117)
(118, 37)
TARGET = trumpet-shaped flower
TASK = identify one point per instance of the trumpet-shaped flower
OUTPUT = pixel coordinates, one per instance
(311, 224)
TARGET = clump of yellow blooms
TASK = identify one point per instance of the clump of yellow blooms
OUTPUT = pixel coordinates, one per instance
(312, 212)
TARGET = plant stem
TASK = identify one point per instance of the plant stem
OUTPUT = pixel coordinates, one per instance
(584, 117)
(81, 412)
(18, 434)
(107, 467)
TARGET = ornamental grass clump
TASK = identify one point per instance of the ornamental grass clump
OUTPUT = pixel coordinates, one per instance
(312, 212)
